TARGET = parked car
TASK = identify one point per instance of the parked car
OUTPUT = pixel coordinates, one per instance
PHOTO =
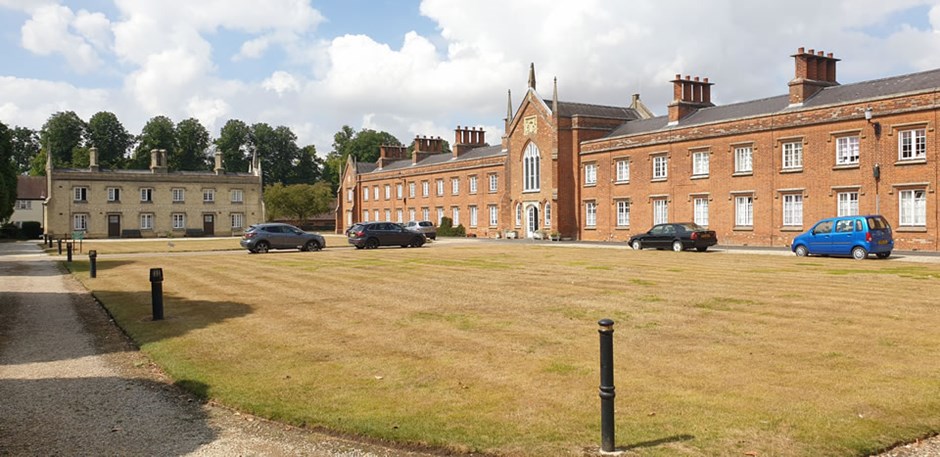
(263, 237)
(677, 236)
(374, 234)
(425, 227)
(856, 236)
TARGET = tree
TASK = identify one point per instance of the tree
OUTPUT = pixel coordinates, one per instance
(64, 135)
(192, 140)
(106, 133)
(297, 202)
(7, 174)
(363, 146)
(158, 133)
(309, 167)
(26, 147)
(277, 150)
(235, 144)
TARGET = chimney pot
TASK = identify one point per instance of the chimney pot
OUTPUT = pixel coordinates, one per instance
(801, 50)
(706, 80)
(829, 55)
(678, 76)
(811, 51)
(688, 78)
(821, 53)
(696, 79)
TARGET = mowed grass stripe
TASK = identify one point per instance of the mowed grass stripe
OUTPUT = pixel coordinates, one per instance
(494, 347)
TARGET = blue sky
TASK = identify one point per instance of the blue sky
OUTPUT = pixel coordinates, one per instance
(423, 67)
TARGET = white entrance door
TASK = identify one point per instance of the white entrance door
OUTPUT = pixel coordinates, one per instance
(532, 220)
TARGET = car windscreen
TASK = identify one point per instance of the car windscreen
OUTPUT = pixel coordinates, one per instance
(878, 223)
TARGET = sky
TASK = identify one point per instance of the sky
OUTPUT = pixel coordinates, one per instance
(423, 67)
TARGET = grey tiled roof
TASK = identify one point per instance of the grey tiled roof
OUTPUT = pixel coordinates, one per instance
(435, 159)
(568, 109)
(362, 167)
(828, 96)
(30, 187)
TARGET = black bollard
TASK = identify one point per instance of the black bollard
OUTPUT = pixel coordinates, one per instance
(93, 263)
(49, 241)
(607, 393)
(156, 292)
(68, 249)
(60, 246)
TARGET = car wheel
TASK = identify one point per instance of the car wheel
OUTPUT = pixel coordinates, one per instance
(417, 242)
(702, 249)
(801, 251)
(358, 246)
(262, 247)
(312, 246)
(636, 245)
(883, 255)
(677, 246)
(859, 253)
(372, 243)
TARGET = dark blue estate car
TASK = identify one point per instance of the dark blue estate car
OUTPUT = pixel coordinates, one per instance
(855, 236)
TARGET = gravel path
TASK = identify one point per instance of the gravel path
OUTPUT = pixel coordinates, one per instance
(70, 384)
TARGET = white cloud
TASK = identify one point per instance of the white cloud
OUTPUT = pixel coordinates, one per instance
(30, 102)
(281, 82)
(48, 32)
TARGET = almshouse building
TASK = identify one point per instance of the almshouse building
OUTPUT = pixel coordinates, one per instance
(151, 203)
(758, 172)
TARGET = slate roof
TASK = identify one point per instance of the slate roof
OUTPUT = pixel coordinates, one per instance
(435, 159)
(569, 109)
(832, 95)
(30, 187)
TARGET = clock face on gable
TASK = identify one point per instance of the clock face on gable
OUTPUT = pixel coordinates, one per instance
(530, 125)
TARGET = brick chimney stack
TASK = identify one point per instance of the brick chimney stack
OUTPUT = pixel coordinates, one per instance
(158, 160)
(93, 159)
(389, 153)
(689, 95)
(219, 169)
(425, 146)
(814, 71)
(467, 138)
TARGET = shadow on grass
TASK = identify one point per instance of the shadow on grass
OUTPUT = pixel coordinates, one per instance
(659, 442)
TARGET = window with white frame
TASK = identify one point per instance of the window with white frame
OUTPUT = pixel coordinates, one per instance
(349, 195)
(425, 188)
(179, 220)
(472, 184)
(114, 194)
(455, 215)
(399, 216)
(146, 194)
(238, 196)
(792, 155)
(531, 168)
(743, 159)
(388, 215)
(411, 214)
(208, 195)
(700, 211)
(80, 221)
(80, 194)
(847, 150)
(590, 174)
(793, 209)
(700, 163)
(425, 214)
(238, 221)
(913, 208)
(473, 216)
(440, 187)
(365, 194)
(660, 211)
(744, 210)
(179, 194)
(375, 215)
(847, 203)
(623, 213)
(518, 214)
(398, 191)
(365, 215)
(912, 144)
(375, 193)
(660, 167)
(494, 182)
(494, 215)
(146, 221)
(24, 204)
(590, 214)
(623, 170)
(454, 186)
(440, 215)
(388, 192)
(548, 214)
(411, 190)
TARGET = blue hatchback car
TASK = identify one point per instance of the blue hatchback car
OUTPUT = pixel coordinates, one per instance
(856, 236)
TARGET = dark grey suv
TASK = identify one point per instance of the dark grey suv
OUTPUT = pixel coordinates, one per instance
(374, 234)
(262, 237)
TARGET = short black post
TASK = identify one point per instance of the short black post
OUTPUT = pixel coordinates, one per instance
(156, 292)
(68, 248)
(607, 393)
(60, 246)
(93, 261)
(49, 241)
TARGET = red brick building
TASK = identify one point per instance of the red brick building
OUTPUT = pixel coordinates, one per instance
(757, 172)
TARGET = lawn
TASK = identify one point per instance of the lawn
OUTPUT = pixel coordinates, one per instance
(154, 245)
(493, 347)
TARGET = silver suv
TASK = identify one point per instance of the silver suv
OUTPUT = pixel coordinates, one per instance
(262, 237)
(425, 227)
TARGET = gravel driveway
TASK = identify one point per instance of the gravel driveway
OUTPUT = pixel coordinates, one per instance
(70, 384)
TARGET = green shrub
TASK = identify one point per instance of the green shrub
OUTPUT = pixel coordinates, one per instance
(31, 230)
(447, 228)
(9, 231)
